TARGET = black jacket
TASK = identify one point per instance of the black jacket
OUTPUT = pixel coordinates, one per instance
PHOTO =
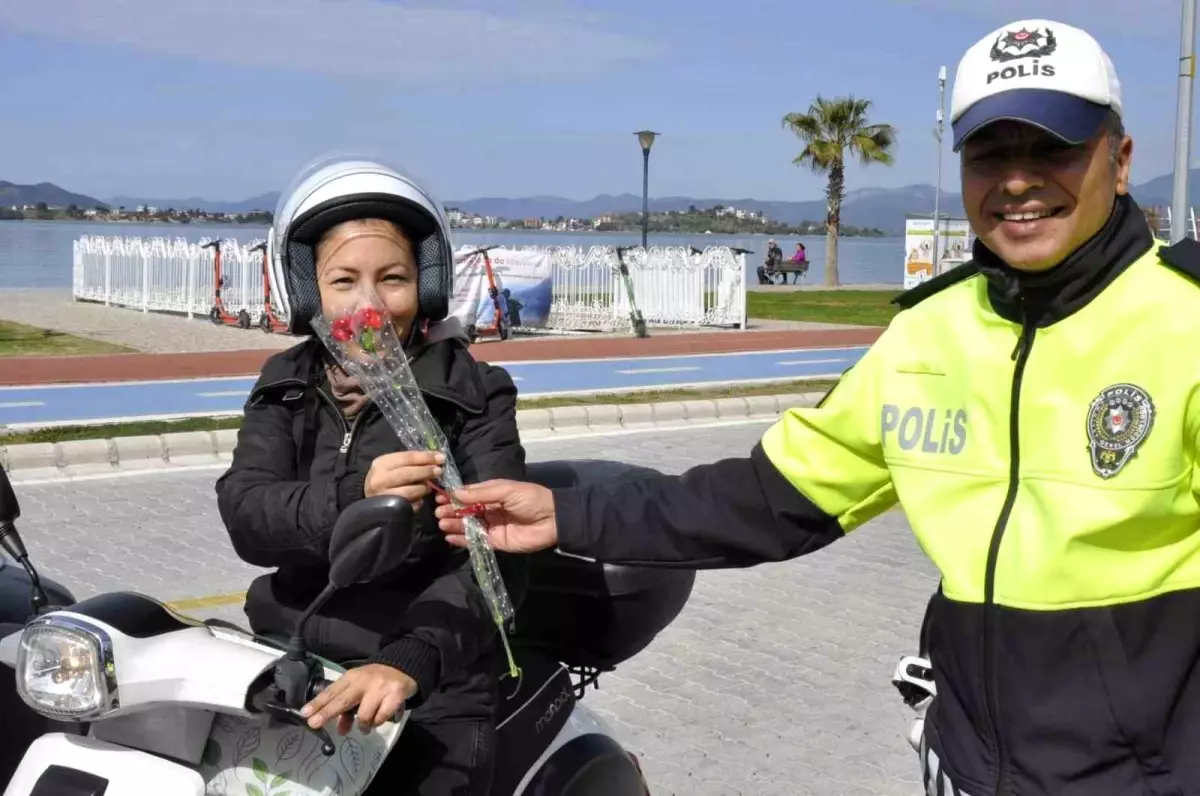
(298, 462)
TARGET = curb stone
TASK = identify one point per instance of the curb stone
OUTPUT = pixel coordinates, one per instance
(65, 460)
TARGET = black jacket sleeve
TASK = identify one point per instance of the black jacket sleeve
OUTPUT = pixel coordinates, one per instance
(815, 474)
(449, 626)
(733, 513)
(272, 518)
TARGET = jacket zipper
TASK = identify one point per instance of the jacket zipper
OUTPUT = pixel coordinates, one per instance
(1021, 357)
(347, 433)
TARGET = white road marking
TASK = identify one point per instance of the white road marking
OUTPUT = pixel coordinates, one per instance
(812, 362)
(657, 370)
(19, 404)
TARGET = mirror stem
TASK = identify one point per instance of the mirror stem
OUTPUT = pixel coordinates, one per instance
(295, 650)
(10, 540)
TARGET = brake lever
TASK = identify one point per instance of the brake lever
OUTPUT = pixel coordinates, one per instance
(286, 715)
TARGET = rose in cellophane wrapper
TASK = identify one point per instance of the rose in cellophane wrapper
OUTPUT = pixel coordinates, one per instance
(363, 340)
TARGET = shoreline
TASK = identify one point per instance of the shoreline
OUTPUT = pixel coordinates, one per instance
(749, 233)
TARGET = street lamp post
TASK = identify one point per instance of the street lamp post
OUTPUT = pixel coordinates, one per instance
(646, 139)
(937, 188)
(1183, 123)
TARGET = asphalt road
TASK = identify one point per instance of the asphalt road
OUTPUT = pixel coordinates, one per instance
(117, 401)
(774, 680)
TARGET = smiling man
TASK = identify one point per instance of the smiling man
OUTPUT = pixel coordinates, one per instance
(1036, 414)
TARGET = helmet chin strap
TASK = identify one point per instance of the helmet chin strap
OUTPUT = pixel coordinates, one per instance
(418, 331)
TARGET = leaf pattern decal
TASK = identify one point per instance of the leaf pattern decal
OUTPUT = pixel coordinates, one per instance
(351, 755)
(314, 760)
(289, 745)
(224, 722)
(247, 744)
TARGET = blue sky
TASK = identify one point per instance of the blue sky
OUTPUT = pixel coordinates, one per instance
(226, 99)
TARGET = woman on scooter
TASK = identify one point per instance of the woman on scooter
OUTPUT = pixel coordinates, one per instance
(312, 443)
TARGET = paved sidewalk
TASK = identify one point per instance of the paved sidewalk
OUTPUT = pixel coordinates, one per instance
(209, 364)
(772, 682)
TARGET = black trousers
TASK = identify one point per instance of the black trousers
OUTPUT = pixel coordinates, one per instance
(448, 758)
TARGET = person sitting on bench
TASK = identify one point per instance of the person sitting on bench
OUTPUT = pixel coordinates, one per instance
(799, 262)
(767, 271)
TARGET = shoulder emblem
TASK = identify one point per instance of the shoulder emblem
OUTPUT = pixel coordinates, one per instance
(1119, 420)
(914, 296)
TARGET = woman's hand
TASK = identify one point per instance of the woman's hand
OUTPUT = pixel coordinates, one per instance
(377, 690)
(406, 474)
(519, 516)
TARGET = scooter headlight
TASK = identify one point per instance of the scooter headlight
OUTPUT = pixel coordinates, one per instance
(65, 669)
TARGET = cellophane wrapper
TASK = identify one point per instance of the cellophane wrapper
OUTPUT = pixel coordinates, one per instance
(364, 342)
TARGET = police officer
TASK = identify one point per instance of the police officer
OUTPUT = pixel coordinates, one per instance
(1045, 453)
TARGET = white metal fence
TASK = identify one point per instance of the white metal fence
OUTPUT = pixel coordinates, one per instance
(672, 286)
(160, 275)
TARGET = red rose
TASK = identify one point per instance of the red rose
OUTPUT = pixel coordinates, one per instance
(342, 330)
(370, 318)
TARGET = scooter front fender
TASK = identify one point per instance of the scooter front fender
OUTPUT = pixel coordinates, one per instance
(72, 765)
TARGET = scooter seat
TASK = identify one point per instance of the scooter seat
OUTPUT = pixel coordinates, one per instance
(133, 614)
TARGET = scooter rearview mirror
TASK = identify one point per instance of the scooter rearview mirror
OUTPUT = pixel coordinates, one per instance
(12, 544)
(371, 537)
(10, 510)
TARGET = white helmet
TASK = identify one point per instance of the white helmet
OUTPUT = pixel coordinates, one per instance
(344, 188)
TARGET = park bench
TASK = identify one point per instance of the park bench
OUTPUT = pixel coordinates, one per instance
(787, 267)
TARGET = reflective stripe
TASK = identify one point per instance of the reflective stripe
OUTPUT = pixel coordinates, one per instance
(935, 780)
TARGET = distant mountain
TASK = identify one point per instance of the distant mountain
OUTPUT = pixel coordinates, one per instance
(1158, 190)
(48, 192)
(882, 208)
(264, 202)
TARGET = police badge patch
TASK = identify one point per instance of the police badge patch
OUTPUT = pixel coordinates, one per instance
(1119, 421)
(1024, 43)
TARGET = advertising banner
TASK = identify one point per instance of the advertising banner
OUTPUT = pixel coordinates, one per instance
(522, 277)
(954, 243)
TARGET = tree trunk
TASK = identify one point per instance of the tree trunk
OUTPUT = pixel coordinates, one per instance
(833, 221)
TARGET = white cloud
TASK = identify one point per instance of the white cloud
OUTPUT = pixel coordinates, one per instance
(401, 44)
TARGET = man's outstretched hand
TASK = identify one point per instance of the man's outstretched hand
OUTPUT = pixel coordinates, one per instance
(519, 516)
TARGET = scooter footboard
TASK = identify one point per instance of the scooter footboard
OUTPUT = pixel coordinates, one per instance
(73, 765)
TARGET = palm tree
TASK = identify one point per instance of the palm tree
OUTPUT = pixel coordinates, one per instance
(830, 129)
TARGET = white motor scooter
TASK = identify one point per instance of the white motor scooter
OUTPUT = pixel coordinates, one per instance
(164, 704)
